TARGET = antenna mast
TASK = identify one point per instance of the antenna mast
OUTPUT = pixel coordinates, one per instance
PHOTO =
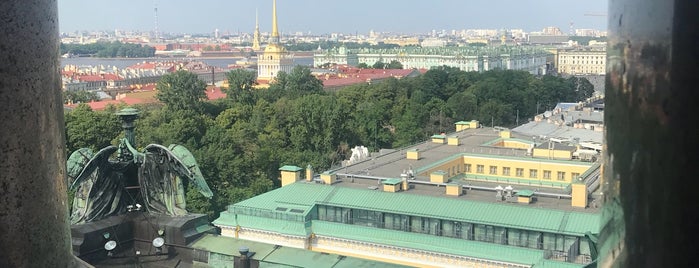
(155, 9)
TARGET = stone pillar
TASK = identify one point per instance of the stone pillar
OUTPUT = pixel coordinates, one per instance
(34, 225)
(650, 211)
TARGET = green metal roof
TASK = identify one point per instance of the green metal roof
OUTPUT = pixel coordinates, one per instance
(290, 168)
(392, 181)
(527, 193)
(439, 172)
(274, 256)
(448, 245)
(437, 136)
(505, 215)
(463, 123)
(229, 246)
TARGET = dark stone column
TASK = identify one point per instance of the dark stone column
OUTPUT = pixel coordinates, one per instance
(651, 165)
(34, 226)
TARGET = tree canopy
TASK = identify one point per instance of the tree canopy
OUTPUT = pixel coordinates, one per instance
(181, 90)
(240, 142)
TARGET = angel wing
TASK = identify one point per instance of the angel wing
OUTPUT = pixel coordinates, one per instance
(77, 162)
(98, 188)
(161, 177)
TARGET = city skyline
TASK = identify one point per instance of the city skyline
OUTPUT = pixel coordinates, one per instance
(323, 17)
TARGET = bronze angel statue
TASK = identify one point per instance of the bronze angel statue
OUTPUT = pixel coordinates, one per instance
(120, 178)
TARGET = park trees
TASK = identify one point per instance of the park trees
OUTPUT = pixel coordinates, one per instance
(240, 85)
(181, 90)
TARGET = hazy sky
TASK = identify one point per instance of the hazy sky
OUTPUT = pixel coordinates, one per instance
(316, 16)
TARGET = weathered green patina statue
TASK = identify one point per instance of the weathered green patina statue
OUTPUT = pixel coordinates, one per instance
(108, 184)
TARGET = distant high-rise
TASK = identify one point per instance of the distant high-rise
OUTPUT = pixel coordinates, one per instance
(275, 58)
(256, 34)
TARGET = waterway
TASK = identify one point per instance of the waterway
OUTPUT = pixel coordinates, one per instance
(121, 63)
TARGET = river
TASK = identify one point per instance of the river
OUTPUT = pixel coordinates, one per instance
(126, 62)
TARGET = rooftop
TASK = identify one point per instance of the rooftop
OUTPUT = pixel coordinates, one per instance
(481, 142)
(278, 256)
(304, 196)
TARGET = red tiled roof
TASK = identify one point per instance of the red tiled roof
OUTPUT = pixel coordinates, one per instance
(145, 66)
(101, 105)
(214, 93)
(349, 75)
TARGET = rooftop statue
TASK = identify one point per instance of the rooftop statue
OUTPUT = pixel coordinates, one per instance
(108, 184)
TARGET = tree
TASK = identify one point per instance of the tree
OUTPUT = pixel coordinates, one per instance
(394, 64)
(379, 65)
(240, 85)
(79, 96)
(297, 83)
(181, 90)
(89, 129)
(363, 65)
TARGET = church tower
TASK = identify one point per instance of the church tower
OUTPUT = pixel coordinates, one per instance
(256, 34)
(275, 58)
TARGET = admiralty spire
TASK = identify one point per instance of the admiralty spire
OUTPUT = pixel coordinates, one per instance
(275, 58)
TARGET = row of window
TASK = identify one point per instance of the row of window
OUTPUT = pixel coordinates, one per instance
(584, 57)
(455, 229)
(583, 62)
(519, 172)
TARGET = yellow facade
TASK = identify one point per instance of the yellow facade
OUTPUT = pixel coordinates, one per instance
(453, 141)
(328, 178)
(522, 169)
(289, 177)
(439, 140)
(454, 190)
(391, 188)
(397, 255)
(452, 167)
(579, 195)
(516, 144)
(438, 177)
(524, 199)
(464, 125)
(505, 134)
(413, 155)
(540, 168)
(582, 61)
(309, 173)
(552, 154)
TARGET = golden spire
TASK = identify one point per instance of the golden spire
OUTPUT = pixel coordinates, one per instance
(256, 34)
(275, 29)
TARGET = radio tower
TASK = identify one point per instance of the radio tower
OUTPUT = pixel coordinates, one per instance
(155, 9)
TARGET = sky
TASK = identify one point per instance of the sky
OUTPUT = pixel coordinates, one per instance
(323, 17)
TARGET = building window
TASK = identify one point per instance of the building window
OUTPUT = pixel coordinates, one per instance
(561, 175)
(547, 174)
(479, 169)
(467, 168)
(533, 173)
(575, 176)
(519, 172)
(493, 170)
(506, 171)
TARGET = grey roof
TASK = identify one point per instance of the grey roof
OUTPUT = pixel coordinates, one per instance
(550, 130)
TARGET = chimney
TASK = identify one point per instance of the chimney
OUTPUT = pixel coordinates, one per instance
(309, 173)
(290, 174)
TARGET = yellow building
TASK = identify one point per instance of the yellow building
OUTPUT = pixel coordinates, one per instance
(488, 202)
(275, 58)
(582, 61)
